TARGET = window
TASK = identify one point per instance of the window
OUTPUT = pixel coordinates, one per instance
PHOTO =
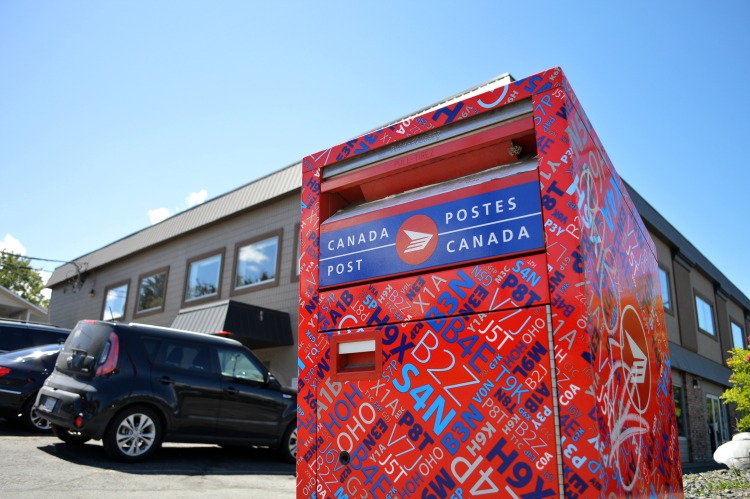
(256, 263)
(705, 316)
(115, 297)
(679, 409)
(666, 289)
(738, 336)
(193, 358)
(236, 365)
(152, 288)
(204, 277)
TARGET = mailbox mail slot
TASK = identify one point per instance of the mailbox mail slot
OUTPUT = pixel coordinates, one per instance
(356, 356)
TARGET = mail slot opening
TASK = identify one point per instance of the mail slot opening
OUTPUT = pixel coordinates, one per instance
(356, 356)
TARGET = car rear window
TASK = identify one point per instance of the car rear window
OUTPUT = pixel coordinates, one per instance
(12, 339)
(83, 347)
(31, 353)
(44, 337)
(22, 335)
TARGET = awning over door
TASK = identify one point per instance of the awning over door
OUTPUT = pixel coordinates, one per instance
(698, 365)
(253, 326)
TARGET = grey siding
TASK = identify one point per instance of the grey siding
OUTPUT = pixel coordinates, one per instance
(69, 305)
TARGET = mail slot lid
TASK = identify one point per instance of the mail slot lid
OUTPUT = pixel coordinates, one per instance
(488, 215)
(356, 356)
(477, 288)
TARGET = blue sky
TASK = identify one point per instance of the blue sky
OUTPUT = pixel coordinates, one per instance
(114, 113)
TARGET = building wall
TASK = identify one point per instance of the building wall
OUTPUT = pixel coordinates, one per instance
(697, 425)
(69, 305)
(699, 392)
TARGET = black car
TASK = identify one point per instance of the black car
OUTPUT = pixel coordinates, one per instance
(136, 386)
(16, 335)
(22, 373)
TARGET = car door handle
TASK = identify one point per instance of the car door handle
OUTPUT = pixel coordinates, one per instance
(231, 391)
(167, 380)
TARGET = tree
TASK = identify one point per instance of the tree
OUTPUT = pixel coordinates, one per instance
(17, 276)
(739, 363)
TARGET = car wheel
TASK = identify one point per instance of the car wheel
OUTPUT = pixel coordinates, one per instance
(288, 447)
(70, 437)
(32, 420)
(133, 435)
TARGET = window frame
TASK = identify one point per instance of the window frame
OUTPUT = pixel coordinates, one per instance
(722, 432)
(248, 288)
(732, 325)
(221, 252)
(141, 278)
(699, 297)
(667, 306)
(294, 277)
(109, 288)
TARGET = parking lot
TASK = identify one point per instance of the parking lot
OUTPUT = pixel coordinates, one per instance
(37, 466)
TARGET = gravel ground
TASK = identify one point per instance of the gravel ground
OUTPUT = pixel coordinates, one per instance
(723, 483)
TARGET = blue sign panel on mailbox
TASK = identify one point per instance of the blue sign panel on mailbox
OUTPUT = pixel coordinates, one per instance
(485, 220)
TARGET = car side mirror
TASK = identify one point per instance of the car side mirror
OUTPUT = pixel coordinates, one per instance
(273, 382)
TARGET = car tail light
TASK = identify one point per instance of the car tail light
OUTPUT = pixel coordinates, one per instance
(78, 421)
(110, 354)
(4, 371)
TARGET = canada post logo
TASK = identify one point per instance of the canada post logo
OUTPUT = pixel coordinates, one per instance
(477, 223)
(635, 359)
(416, 239)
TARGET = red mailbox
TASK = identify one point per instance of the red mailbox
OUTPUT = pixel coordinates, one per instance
(480, 312)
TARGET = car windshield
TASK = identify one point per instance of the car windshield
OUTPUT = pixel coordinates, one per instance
(83, 346)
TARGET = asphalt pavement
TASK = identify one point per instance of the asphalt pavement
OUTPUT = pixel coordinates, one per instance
(41, 466)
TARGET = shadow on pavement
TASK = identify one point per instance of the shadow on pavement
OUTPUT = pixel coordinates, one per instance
(178, 459)
(171, 459)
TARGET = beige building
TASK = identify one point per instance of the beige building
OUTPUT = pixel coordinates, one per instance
(230, 264)
(16, 308)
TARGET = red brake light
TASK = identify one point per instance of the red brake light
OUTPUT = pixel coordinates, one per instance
(4, 371)
(111, 353)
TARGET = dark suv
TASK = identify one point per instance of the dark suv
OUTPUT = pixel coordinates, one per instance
(135, 386)
(15, 335)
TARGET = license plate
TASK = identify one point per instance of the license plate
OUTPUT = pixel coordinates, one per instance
(49, 404)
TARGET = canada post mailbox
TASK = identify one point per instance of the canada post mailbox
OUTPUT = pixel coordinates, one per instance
(479, 310)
